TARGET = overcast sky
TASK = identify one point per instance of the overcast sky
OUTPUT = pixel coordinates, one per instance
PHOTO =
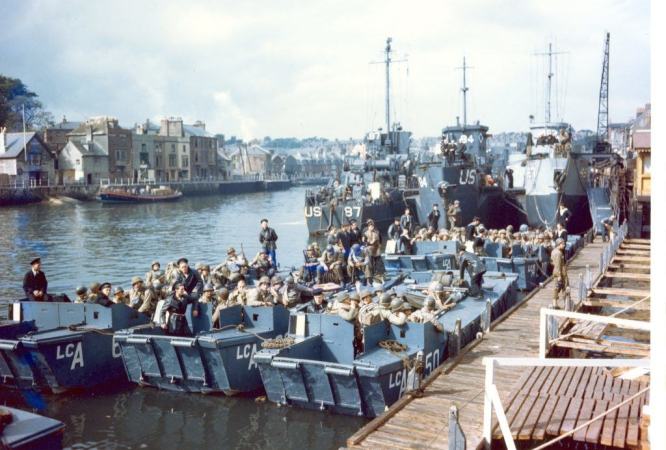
(279, 68)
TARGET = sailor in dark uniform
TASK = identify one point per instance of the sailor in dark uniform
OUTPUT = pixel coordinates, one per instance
(34, 282)
(267, 239)
(102, 297)
(475, 269)
(355, 234)
(433, 217)
(407, 221)
(190, 279)
(470, 229)
(176, 306)
(317, 305)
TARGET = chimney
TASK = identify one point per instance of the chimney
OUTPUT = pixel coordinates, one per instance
(89, 134)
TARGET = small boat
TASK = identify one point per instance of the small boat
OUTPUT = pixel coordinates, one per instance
(317, 367)
(59, 346)
(213, 360)
(136, 195)
(23, 430)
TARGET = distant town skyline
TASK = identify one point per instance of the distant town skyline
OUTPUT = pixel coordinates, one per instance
(258, 69)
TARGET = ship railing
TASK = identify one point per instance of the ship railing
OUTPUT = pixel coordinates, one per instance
(492, 401)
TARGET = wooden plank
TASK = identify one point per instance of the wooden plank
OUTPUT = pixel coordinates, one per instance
(541, 381)
(578, 373)
(519, 420)
(593, 433)
(633, 259)
(621, 423)
(605, 303)
(584, 381)
(553, 427)
(526, 430)
(640, 293)
(553, 381)
(512, 411)
(568, 375)
(634, 422)
(571, 415)
(585, 415)
(633, 252)
(539, 432)
(628, 276)
(629, 266)
(609, 424)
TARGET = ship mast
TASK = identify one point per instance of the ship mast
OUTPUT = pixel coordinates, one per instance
(464, 90)
(387, 61)
(549, 75)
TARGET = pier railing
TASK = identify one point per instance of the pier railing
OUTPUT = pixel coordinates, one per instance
(493, 402)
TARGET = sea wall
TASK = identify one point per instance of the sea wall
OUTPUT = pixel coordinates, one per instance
(26, 195)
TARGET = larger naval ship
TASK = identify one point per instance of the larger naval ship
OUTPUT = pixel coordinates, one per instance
(373, 180)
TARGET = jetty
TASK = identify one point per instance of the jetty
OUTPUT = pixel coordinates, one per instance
(505, 372)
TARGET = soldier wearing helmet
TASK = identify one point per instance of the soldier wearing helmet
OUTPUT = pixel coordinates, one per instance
(383, 312)
(427, 314)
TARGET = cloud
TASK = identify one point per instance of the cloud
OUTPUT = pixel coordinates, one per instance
(302, 69)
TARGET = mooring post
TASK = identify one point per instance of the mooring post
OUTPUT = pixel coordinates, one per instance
(456, 435)
(489, 312)
(457, 338)
(582, 291)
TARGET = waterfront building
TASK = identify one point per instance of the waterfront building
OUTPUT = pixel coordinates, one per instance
(84, 163)
(250, 159)
(56, 136)
(641, 146)
(115, 141)
(25, 160)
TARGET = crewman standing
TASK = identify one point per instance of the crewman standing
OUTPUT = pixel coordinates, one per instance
(375, 268)
(454, 214)
(34, 282)
(268, 238)
(190, 279)
(433, 217)
(407, 221)
(560, 275)
(475, 268)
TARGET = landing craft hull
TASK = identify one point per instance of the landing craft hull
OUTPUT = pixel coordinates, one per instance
(211, 361)
(543, 211)
(71, 346)
(132, 198)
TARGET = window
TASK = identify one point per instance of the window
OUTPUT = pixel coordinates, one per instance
(184, 149)
(78, 162)
(647, 163)
(143, 148)
(143, 158)
(173, 147)
(158, 161)
(196, 157)
(186, 161)
(172, 160)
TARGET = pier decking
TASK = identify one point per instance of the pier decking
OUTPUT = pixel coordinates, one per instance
(423, 421)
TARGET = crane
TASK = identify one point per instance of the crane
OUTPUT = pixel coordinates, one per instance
(602, 145)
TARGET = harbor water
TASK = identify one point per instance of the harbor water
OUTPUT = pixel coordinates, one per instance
(83, 242)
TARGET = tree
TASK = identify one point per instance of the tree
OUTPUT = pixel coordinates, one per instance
(14, 98)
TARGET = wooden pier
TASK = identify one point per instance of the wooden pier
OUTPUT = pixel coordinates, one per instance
(421, 420)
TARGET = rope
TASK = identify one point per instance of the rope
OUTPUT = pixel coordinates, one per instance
(569, 433)
(277, 343)
(399, 349)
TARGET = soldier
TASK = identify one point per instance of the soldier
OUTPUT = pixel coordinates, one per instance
(176, 306)
(239, 295)
(383, 312)
(137, 292)
(331, 261)
(262, 263)
(289, 294)
(561, 232)
(560, 275)
(563, 215)
(35, 284)
(355, 234)
(454, 214)
(189, 278)
(261, 296)
(205, 274)
(374, 268)
(119, 296)
(151, 295)
(407, 221)
(221, 303)
(433, 217)
(154, 273)
(268, 238)
(395, 230)
(207, 296)
(317, 305)
(348, 309)
(475, 269)
(356, 264)
(365, 313)
(344, 238)
(93, 292)
(102, 297)
(609, 232)
(427, 314)
(81, 294)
